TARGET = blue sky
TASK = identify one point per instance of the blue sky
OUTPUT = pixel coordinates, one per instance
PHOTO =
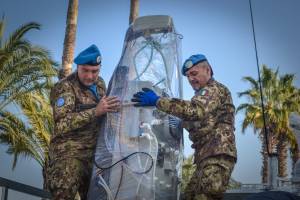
(217, 28)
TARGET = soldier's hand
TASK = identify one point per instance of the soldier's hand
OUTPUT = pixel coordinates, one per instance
(107, 104)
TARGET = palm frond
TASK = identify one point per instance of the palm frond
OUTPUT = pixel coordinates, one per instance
(18, 137)
(254, 83)
(19, 33)
(242, 107)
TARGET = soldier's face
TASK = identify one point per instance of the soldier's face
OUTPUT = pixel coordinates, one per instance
(88, 74)
(198, 75)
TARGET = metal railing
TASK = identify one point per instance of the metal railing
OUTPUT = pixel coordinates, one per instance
(7, 184)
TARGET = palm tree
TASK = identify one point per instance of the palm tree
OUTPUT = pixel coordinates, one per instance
(253, 117)
(25, 80)
(70, 38)
(24, 67)
(134, 10)
(288, 101)
(281, 98)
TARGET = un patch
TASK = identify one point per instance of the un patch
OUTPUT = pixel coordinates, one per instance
(98, 60)
(189, 64)
(60, 102)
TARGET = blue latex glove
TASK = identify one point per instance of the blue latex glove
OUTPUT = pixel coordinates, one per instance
(147, 97)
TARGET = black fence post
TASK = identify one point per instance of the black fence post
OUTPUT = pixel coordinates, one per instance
(4, 193)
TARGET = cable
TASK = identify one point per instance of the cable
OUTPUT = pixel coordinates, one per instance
(260, 86)
(154, 45)
(158, 48)
(102, 169)
(149, 61)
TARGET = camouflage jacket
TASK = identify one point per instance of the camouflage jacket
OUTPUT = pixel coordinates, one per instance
(209, 119)
(76, 126)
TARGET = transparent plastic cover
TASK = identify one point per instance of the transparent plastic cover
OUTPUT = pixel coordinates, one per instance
(139, 149)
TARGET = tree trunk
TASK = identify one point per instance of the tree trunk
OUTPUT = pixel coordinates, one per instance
(70, 36)
(273, 141)
(282, 157)
(134, 10)
(45, 174)
(264, 154)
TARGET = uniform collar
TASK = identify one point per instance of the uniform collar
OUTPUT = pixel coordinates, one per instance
(209, 82)
(92, 89)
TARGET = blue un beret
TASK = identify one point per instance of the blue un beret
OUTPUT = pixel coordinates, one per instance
(191, 61)
(89, 56)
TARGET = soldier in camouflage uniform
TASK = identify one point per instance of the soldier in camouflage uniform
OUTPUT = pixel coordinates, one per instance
(78, 103)
(209, 119)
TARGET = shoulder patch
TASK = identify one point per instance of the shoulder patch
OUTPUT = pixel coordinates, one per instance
(203, 92)
(60, 102)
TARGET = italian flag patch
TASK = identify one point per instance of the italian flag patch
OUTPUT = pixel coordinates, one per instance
(203, 92)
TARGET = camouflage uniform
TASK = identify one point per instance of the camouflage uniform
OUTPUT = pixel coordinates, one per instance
(209, 119)
(73, 142)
